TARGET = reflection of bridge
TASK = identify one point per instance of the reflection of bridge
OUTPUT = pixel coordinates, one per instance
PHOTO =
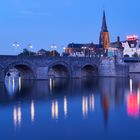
(39, 67)
(57, 95)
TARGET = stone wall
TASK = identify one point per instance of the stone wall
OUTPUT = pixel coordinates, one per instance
(40, 65)
(134, 67)
(110, 68)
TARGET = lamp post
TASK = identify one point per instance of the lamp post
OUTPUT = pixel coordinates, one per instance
(53, 47)
(64, 49)
(84, 48)
(15, 45)
(30, 46)
(91, 52)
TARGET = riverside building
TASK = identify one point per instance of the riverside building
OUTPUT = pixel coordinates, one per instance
(92, 49)
(131, 46)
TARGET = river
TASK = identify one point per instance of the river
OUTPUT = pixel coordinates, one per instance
(70, 109)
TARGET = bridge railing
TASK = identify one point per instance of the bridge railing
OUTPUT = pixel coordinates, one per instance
(47, 57)
(131, 59)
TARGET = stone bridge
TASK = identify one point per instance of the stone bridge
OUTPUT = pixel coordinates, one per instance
(42, 67)
(133, 63)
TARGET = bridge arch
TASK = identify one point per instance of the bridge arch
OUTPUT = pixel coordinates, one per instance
(24, 69)
(89, 70)
(59, 69)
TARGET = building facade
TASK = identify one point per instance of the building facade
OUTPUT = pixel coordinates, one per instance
(131, 46)
(91, 49)
(81, 50)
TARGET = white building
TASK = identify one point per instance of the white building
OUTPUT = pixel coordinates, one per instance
(131, 46)
(77, 54)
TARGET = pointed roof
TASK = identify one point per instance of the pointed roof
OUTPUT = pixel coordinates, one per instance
(104, 25)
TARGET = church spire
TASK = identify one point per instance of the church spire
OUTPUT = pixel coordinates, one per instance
(104, 39)
(104, 25)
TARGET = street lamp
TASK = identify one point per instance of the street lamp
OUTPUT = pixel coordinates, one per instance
(53, 47)
(84, 48)
(91, 50)
(64, 49)
(15, 45)
(30, 46)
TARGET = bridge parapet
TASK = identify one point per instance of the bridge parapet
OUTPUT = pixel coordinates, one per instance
(131, 59)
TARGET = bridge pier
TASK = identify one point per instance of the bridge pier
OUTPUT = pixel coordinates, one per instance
(2, 76)
(76, 72)
(109, 68)
(134, 67)
(42, 73)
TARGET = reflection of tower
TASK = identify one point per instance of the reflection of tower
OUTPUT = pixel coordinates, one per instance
(105, 106)
(104, 40)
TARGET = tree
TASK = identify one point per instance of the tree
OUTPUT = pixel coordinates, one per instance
(135, 55)
(54, 53)
(126, 55)
(65, 54)
(26, 52)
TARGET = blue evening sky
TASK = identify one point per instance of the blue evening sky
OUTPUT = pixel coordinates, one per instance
(46, 22)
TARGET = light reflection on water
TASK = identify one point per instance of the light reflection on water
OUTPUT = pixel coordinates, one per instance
(65, 106)
(38, 102)
(17, 116)
(12, 85)
(55, 109)
(85, 106)
(32, 111)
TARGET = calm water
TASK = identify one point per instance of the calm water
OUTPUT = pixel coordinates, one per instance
(88, 109)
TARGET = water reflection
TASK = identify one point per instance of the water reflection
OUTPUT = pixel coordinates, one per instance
(19, 84)
(17, 116)
(65, 107)
(32, 111)
(133, 101)
(85, 106)
(133, 105)
(55, 109)
(12, 85)
(91, 103)
(51, 85)
(101, 94)
(105, 107)
(131, 86)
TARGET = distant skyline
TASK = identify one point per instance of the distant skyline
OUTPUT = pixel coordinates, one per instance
(46, 22)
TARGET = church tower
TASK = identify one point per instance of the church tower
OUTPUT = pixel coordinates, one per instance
(104, 40)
